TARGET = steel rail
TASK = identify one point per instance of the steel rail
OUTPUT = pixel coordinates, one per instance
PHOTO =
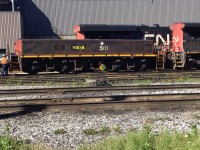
(63, 90)
(102, 102)
(65, 78)
(107, 74)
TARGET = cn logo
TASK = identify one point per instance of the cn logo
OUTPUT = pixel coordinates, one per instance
(175, 39)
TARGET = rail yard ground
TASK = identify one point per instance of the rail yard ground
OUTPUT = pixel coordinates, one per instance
(69, 129)
(72, 128)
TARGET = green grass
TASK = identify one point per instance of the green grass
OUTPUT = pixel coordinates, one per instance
(81, 83)
(146, 140)
(19, 82)
(50, 83)
(104, 130)
(59, 131)
(90, 132)
(9, 81)
(7, 142)
(116, 129)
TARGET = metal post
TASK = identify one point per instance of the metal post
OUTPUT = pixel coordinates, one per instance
(13, 5)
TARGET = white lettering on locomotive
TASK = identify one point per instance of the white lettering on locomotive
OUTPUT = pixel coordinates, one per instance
(158, 37)
(175, 39)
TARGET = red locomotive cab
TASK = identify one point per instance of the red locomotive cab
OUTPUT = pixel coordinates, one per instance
(79, 35)
(18, 47)
(177, 37)
(177, 50)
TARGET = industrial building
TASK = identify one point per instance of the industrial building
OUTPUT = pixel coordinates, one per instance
(57, 18)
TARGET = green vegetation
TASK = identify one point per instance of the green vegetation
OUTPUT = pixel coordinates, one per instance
(59, 131)
(178, 79)
(117, 129)
(104, 130)
(146, 140)
(83, 83)
(50, 83)
(41, 77)
(90, 132)
(142, 140)
(186, 79)
(128, 82)
(9, 81)
(9, 143)
(19, 82)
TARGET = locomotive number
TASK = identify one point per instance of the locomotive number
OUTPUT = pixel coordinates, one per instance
(103, 48)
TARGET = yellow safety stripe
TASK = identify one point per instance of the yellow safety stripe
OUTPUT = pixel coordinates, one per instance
(88, 55)
(193, 52)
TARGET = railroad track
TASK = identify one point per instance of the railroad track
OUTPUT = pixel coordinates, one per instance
(69, 98)
(23, 79)
(144, 101)
(64, 90)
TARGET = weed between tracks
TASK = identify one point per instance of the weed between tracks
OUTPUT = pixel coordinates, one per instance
(81, 83)
(104, 130)
(7, 142)
(181, 79)
(59, 131)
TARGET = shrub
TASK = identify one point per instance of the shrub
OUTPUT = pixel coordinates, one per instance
(90, 132)
(59, 131)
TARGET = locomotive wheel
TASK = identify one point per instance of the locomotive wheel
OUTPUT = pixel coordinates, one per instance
(34, 70)
(116, 67)
(143, 67)
(65, 69)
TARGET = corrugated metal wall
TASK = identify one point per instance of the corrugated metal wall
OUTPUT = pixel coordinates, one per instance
(43, 17)
(10, 29)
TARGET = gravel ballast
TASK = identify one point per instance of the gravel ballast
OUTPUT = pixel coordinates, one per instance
(39, 127)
